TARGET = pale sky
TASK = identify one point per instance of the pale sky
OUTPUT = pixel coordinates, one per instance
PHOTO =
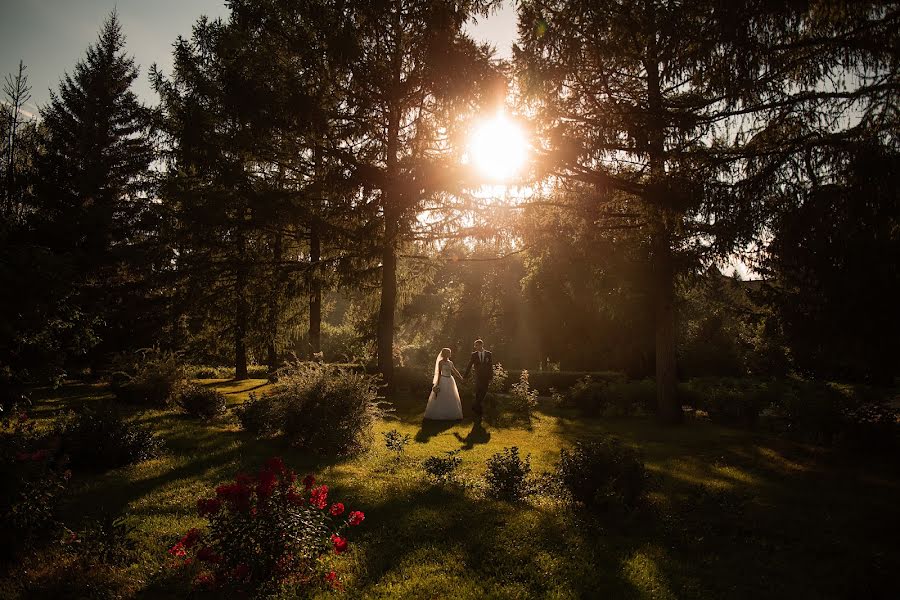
(52, 35)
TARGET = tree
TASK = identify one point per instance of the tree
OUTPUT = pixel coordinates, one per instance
(415, 78)
(91, 188)
(685, 109)
(15, 153)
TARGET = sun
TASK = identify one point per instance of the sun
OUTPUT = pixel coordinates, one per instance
(498, 148)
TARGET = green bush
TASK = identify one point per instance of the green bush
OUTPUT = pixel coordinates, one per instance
(151, 376)
(201, 401)
(524, 398)
(395, 442)
(321, 408)
(562, 381)
(507, 474)
(601, 473)
(612, 398)
(442, 469)
(102, 439)
(499, 380)
(222, 372)
(32, 482)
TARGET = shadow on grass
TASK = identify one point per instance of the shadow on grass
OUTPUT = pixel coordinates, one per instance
(477, 435)
(429, 428)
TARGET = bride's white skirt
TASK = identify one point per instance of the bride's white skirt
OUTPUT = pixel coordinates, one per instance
(445, 405)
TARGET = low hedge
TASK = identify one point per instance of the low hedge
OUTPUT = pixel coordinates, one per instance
(419, 378)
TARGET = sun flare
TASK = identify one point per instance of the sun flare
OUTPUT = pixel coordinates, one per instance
(498, 148)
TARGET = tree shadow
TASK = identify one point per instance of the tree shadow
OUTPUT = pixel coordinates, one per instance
(477, 435)
(430, 428)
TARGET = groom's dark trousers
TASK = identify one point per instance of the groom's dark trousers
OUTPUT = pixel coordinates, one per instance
(484, 372)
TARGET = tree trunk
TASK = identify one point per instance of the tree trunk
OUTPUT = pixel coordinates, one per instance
(240, 324)
(667, 401)
(272, 349)
(315, 255)
(391, 213)
(668, 406)
(315, 293)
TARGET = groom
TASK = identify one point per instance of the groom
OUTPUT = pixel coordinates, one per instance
(483, 363)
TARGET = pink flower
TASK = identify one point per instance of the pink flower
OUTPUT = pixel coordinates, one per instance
(337, 509)
(356, 517)
(340, 543)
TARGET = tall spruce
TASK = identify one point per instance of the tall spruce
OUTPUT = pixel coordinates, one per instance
(92, 185)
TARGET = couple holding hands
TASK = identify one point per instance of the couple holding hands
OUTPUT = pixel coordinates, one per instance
(444, 403)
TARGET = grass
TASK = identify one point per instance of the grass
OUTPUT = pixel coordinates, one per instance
(730, 514)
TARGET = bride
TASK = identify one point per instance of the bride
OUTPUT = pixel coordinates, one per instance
(444, 403)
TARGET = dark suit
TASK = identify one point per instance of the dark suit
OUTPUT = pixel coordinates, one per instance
(484, 372)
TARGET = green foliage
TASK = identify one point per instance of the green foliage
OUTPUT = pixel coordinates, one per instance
(210, 372)
(442, 469)
(498, 382)
(318, 407)
(100, 438)
(395, 442)
(613, 399)
(601, 473)
(507, 475)
(524, 398)
(200, 401)
(109, 540)
(151, 376)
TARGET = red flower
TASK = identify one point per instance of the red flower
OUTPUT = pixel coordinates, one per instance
(294, 498)
(177, 550)
(275, 465)
(332, 580)
(206, 554)
(236, 494)
(266, 484)
(319, 497)
(356, 517)
(244, 480)
(340, 543)
(190, 538)
(309, 481)
(208, 506)
(337, 509)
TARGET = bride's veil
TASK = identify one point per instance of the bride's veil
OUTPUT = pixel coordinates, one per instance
(437, 368)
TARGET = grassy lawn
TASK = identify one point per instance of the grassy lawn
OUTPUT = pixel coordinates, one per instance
(730, 514)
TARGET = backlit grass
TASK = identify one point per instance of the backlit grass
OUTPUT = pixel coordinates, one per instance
(729, 513)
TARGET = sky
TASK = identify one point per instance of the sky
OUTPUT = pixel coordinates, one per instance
(50, 36)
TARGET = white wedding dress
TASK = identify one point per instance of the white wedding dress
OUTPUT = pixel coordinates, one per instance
(445, 405)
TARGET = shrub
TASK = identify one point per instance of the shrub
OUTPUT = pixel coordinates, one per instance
(201, 401)
(32, 483)
(524, 398)
(152, 376)
(265, 533)
(506, 475)
(498, 382)
(872, 426)
(557, 398)
(601, 473)
(613, 398)
(563, 381)
(102, 439)
(211, 372)
(395, 442)
(440, 469)
(322, 408)
(106, 541)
